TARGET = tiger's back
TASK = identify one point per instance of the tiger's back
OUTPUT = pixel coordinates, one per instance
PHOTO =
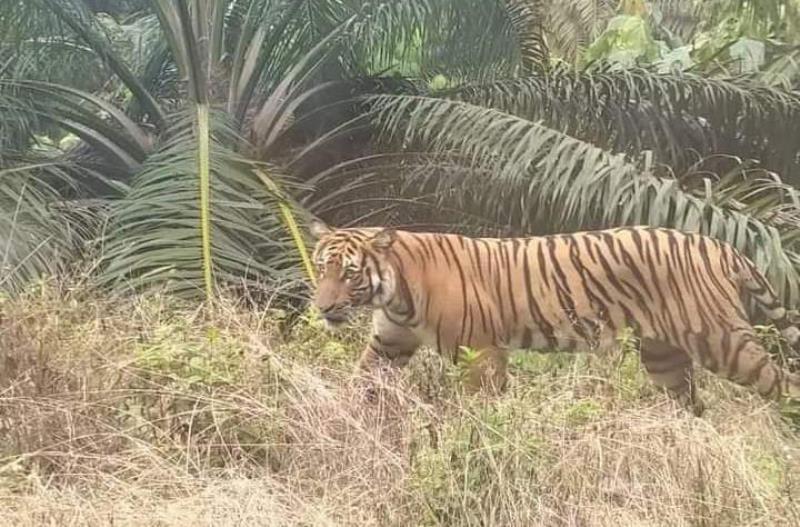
(681, 292)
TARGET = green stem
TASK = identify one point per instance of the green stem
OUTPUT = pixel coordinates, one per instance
(204, 170)
(290, 222)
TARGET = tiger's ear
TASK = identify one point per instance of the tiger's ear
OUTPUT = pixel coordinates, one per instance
(319, 229)
(384, 239)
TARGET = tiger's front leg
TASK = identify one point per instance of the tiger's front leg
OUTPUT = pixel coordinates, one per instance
(488, 371)
(390, 346)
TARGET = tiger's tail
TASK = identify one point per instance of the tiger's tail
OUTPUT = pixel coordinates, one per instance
(759, 288)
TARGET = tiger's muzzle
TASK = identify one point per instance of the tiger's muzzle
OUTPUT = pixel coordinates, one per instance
(334, 307)
(335, 316)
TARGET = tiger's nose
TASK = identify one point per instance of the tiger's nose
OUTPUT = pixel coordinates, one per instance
(324, 305)
(332, 314)
(326, 308)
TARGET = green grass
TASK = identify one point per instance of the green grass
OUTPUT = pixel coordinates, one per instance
(152, 412)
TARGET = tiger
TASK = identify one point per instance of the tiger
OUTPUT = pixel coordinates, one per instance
(681, 293)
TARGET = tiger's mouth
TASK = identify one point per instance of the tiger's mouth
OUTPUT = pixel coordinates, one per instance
(334, 320)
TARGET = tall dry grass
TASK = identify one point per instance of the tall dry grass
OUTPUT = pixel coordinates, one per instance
(149, 412)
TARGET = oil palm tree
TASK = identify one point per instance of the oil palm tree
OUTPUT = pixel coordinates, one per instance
(171, 124)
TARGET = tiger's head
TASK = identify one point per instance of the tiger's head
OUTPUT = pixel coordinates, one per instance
(352, 269)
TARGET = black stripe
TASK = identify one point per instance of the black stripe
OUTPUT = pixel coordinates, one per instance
(406, 298)
(488, 250)
(654, 235)
(677, 296)
(477, 259)
(637, 241)
(534, 309)
(542, 266)
(430, 247)
(401, 323)
(656, 283)
(630, 320)
(511, 295)
(611, 276)
(634, 268)
(470, 319)
(480, 306)
(597, 304)
(712, 275)
(589, 248)
(563, 291)
(399, 242)
(439, 243)
(610, 242)
(464, 306)
(672, 245)
(697, 287)
(493, 329)
(663, 311)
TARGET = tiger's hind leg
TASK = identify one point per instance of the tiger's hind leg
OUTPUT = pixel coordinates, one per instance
(488, 371)
(746, 362)
(671, 368)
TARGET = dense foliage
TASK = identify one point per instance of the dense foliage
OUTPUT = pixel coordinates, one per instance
(166, 142)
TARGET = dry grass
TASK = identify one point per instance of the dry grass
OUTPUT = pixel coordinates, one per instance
(148, 412)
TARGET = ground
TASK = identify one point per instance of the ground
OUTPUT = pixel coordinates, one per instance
(148, 411)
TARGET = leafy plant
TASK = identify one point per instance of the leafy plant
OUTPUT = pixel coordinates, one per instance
(626, 42)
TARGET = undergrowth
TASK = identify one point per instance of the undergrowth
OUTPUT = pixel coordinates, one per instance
(152, 412)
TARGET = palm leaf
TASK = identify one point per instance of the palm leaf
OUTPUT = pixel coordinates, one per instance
(41, 232)
(541, 176)
(155, 238)
(429, 37)
(117, 136)
(671, 113)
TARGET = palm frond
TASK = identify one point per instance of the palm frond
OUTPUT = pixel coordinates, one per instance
(672, 114)
(541, 176)
(42, 232)
(430, 37)
(155, 239)
(89, 117)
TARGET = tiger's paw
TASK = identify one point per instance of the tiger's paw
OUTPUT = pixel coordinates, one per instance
(691, 403)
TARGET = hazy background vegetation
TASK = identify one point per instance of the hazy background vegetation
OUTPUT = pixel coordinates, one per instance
(157, 156)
